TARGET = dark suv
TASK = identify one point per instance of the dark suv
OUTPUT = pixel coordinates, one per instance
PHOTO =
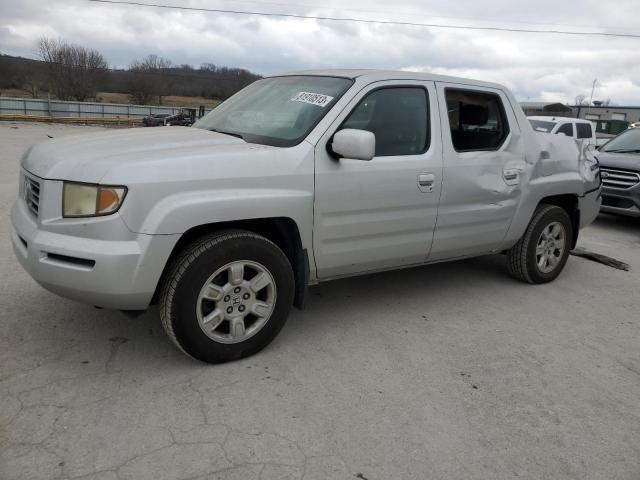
(620, 169)
(155, 120)
(186, 117)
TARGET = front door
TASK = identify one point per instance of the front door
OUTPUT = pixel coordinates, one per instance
(378, 214)
(483, 162)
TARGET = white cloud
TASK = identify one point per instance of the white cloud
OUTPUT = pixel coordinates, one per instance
(536, 67)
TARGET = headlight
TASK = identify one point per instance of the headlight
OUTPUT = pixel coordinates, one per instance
(83, 200)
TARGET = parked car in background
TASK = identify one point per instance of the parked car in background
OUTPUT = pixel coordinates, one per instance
(155, 120)
(620, 170)
(184, 118)
(298, 179)
(571, 127)
(634, 125)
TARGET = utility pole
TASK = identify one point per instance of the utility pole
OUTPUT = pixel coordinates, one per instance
(593, 87)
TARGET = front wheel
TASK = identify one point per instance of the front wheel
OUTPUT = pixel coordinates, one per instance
(542, 252)
(226, 296)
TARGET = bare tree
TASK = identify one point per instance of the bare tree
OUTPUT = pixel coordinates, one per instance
(208, 80)
(224, 81)
(150, 77)
(580, 99)
(33, 83)
(26, 75)
(73, 71)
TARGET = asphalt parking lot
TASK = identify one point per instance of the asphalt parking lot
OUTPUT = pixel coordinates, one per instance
(452, 371)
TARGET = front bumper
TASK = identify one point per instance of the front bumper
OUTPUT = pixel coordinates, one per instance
(621, 201)
(589, 206)
(119, 274)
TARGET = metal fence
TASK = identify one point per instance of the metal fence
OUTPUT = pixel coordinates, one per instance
(88, 110)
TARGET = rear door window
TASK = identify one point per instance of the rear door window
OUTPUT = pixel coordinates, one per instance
(476, 119)
(584, 130)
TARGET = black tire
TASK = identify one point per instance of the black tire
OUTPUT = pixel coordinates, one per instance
(522, 256)
(189, 272)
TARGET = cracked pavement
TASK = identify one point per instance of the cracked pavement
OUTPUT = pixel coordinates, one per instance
(452, 371)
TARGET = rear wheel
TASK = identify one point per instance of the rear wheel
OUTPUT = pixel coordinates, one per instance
(226, 296)
(542, 252)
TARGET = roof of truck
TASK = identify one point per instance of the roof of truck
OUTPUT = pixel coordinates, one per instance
(558, 119)
(380, 75)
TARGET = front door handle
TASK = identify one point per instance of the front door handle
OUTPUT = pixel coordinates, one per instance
(425, 182)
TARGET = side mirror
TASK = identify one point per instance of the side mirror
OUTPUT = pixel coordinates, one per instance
(356, 144)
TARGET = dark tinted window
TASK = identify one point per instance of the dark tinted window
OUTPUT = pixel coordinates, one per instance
(477, 120)
(397, 116)
(567, 129)
(584, 130)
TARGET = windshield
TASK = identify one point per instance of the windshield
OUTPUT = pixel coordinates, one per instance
(542, 126)
(278, 111)
(628, 141)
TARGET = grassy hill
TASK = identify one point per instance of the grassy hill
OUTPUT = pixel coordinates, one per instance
(181, 85)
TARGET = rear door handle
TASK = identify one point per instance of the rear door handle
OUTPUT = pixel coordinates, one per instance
(511, 176)
(425, 182)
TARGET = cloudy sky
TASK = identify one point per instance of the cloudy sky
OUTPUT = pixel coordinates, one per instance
(546, 67)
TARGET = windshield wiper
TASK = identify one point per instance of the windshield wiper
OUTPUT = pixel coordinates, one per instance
(627, 150)
(224, 132)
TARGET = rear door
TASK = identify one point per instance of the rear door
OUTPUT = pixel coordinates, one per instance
(483, 160)
(378, 214)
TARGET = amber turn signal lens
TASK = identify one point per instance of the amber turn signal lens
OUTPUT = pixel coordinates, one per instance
(108, 200)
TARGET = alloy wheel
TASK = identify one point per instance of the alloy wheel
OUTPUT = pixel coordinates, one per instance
(550, 247)
(236, 301)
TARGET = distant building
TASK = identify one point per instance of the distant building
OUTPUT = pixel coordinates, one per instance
(607, 112)
(546, 108)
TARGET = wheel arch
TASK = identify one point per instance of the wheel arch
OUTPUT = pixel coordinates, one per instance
(283, 231)
(569, 203)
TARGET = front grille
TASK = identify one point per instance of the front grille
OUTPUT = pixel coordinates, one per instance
(615, 178)
(32, 194)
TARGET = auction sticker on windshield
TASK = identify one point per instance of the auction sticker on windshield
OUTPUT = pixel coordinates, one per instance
(313, 98)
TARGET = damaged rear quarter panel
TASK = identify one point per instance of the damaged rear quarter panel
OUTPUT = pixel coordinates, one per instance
(556, 165)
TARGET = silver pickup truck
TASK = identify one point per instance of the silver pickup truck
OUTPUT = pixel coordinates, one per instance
(295, 180)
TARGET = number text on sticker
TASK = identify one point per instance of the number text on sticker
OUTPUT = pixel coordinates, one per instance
(313, 98)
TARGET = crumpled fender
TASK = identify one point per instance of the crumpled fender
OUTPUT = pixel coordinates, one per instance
(561, 154)
(557, 165)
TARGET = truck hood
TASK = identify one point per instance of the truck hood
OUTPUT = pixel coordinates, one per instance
(89, 157)
(625, 161)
